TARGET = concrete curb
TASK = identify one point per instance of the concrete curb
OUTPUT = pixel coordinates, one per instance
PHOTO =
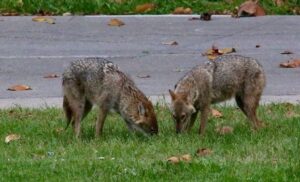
(57, 101)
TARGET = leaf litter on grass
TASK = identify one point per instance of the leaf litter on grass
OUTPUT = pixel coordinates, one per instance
(144, 8)
(12, 137)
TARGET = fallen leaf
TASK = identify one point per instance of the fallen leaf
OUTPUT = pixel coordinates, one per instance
(182, 10)
(224, 130)
(215, 113)
(186, 157)
(205, 17)
(12, 137)
(290, 64)
(178, 70)
(43, 19)
(170, 43)
(195, 18)
(173, 160)
(287, 52)
(250, 8)
(204, 152)
(226, 50)
(115, 22)
(10, 14)
(19, 88)
(143, 76)
(67, 14)
(143, 8)
(51, 76)
(214, 52)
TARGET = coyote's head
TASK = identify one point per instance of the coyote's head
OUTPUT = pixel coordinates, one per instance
(181, 110)
(145, 120)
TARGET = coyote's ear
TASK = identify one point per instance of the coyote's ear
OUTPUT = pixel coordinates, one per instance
(141, 109)
(172, 94)
(191, 108)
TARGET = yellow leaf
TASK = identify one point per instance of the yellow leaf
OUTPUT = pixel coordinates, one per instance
(12, 137)
(43, 19)
(226, 50)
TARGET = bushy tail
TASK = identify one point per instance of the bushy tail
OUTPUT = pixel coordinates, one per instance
(68, 111)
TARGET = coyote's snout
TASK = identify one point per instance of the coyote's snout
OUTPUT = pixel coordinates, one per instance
(95, 81)
(226, 77)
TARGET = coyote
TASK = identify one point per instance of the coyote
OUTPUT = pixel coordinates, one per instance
(96, 81)
(216, 81)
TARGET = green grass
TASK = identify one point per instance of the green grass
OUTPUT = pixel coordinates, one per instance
(45, 154)
(58, 7)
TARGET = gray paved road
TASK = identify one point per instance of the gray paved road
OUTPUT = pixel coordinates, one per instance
(29, 50)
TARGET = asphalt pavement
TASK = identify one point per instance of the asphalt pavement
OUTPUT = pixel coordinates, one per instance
(30, 50)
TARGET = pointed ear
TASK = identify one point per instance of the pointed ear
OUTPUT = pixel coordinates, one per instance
(196, 95)
(141, 109)
(191, 108)
(172, 94)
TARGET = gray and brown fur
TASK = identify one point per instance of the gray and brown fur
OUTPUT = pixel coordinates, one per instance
(95, 81)
(216, 81)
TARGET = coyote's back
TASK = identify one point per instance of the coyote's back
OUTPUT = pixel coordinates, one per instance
(97, 81)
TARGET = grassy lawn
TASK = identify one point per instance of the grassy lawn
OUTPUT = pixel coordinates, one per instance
(45, 153)
(58, 7)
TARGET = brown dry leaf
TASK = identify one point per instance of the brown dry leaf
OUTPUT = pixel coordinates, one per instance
(19, 88)
(182, 10)
(43, 19)
(12, 137)
(250, 8)
(186, 157)
(173, 160)
(286, 52)
(143, 76)
(204, 152)
(170, 43)
(215, 113)
(224, 130)
(290, 64)
(115, 22)
(143, 8)
(51, 76)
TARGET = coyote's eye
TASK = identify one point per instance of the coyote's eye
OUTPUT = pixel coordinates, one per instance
(183, 115)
